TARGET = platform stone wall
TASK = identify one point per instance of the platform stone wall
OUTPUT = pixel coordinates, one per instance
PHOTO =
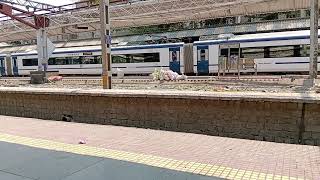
(288, 122)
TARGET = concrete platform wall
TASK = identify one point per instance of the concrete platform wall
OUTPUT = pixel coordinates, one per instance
(286, 120)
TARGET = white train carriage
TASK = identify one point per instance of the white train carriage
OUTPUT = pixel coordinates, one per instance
(144, 59)
(272, 52)
(77, 60)
(8, 65)
(87, 60)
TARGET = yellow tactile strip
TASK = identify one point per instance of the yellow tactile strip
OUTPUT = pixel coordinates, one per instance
(156, 161)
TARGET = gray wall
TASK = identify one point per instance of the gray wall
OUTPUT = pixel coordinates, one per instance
(288, 121)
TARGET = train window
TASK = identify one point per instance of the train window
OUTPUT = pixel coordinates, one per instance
(252, 52)
(297, 51)
(121, 58)
(136, 58)
(30, 62)
(59, 61)
(276, 51)
(174, 56)
(305, 50)
(202, 54)
(281, 52)
(14, 62)
(91, 60)
(87, 60)
(145, 57)
(99, 59)
(224, 52)
(64, 60)
(76, 60)
(234, 51)
(51, 61)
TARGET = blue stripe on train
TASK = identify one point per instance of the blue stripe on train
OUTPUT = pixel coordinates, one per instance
(297, 62)
(28, 69)
(251, 40)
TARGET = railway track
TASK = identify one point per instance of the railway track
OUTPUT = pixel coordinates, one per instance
(146, 80)
(212, 84)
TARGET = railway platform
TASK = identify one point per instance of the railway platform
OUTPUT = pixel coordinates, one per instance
(45, 150)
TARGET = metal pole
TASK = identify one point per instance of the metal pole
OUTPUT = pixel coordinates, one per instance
(228, 61)
(238, 62)
(105, 44)
(314, 39)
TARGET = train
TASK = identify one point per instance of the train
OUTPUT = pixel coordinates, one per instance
(276, 52)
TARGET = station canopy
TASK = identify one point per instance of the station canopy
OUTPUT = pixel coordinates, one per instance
(80, 17)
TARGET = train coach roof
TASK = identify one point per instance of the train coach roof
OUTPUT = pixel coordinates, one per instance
(98, 48)
(60, 50)
(260, 37)
(149, 46)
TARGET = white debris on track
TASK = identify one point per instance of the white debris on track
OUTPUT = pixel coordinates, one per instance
(167, 75)
(55, 78)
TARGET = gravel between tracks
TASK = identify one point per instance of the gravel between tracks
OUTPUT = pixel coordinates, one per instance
(217, 86)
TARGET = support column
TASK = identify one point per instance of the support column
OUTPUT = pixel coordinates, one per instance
(314, 39)
(42, 50)
(105, 44)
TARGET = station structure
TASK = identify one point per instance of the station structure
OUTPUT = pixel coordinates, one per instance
(27, 16)
(83, 17)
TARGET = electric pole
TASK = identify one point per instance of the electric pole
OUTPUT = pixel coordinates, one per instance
(105, 44)
(314, 39)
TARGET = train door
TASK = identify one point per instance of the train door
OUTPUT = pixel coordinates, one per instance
(229, 55)
(174, 59)
(15, 66)
(203, 60)
(2, 66)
